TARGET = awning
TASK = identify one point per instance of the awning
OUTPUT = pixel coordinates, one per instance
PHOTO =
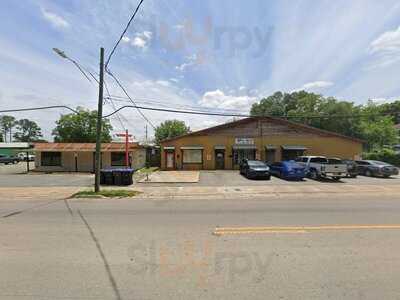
(219, 147)
(169, 148)
(192, 148)
(294, 148)
(18, 146)
(244, 147)
(271, 147)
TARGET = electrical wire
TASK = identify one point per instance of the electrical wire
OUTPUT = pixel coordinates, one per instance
(165, 104)
(123, 33)
(39, 108)
(241, 115)
(113, 106)
(192, 112)
(129, 97)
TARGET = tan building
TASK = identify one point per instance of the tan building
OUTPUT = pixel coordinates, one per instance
(265, 138)
(80, 157)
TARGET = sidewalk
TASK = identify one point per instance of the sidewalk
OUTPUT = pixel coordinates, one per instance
(263, 191)
(216, 192)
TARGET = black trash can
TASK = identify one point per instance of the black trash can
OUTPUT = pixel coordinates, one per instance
(117, 175)
(106, 177)
(127, 175)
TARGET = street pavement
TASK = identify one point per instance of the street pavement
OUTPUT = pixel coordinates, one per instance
(168, 249)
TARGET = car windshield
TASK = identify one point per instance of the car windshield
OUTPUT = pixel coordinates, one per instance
(256, 163)
(334, 161)
(293, 164)
(319, 160)
(379, 163)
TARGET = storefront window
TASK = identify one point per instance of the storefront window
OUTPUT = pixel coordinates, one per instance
(192, 156)
(51, 159)
(118, 159)
(240, 154)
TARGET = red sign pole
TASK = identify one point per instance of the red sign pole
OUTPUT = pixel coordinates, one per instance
(127, 149)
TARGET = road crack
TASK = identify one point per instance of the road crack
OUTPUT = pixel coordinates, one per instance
(103, 257)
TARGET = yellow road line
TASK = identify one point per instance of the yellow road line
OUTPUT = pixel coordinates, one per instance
(298, 229)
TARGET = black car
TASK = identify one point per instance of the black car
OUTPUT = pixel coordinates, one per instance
(4, 159)
(255, 169)
(352, 168)
(376, 168)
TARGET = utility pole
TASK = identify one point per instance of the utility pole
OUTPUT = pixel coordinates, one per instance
(99, 123)
(146, 133)
(126, 149)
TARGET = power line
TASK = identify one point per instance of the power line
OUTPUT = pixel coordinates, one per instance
(123, 33)
(129, 97)
(39, 108)
(241, 115)
(165, 104)
(113, 106)
(195, 112)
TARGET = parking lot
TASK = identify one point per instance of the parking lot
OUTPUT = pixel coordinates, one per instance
(233, 178)
(15, 176)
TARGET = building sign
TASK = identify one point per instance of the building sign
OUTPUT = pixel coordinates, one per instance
(244, 141)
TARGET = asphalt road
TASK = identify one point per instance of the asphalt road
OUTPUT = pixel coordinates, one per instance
(136, 249)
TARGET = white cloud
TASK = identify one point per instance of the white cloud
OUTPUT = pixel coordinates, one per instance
(54, 19)
(218, 99)
(387, 42)
(315, 85)
(191, 60)
(386, 49)
(141, 40)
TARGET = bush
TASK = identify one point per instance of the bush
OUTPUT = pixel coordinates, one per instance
(385, 154)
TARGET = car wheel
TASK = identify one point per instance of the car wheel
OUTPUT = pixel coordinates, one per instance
(313, 175)
(269, 177)
(368, 173)
(336, 178)
(386, 176)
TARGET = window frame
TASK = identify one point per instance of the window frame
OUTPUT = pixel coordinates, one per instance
(52, 161)
(192, 162)
(121, 163)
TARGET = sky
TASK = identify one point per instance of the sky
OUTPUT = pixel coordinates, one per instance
(217, 55)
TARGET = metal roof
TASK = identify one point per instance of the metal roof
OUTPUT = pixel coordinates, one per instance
(83, 147)
(16, 146)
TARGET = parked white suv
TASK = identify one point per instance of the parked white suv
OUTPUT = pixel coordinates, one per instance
(321, 167)
(23, 157)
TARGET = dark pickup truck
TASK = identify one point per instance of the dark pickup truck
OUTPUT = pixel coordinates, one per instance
(8, 159)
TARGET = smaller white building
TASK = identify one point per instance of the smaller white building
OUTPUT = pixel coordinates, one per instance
(80, 157)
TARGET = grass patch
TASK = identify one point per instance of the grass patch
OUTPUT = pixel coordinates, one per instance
(106, 194)
(144, 172)
(147, 170)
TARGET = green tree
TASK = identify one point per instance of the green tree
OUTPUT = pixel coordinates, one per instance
(371, 122)
(379, 133)
(170, 129)
(7, 123)
(81, 128)
(27, 131)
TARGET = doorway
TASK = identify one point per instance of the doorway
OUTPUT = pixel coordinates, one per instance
(270, 156)
(220, 159)
(170, 160)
